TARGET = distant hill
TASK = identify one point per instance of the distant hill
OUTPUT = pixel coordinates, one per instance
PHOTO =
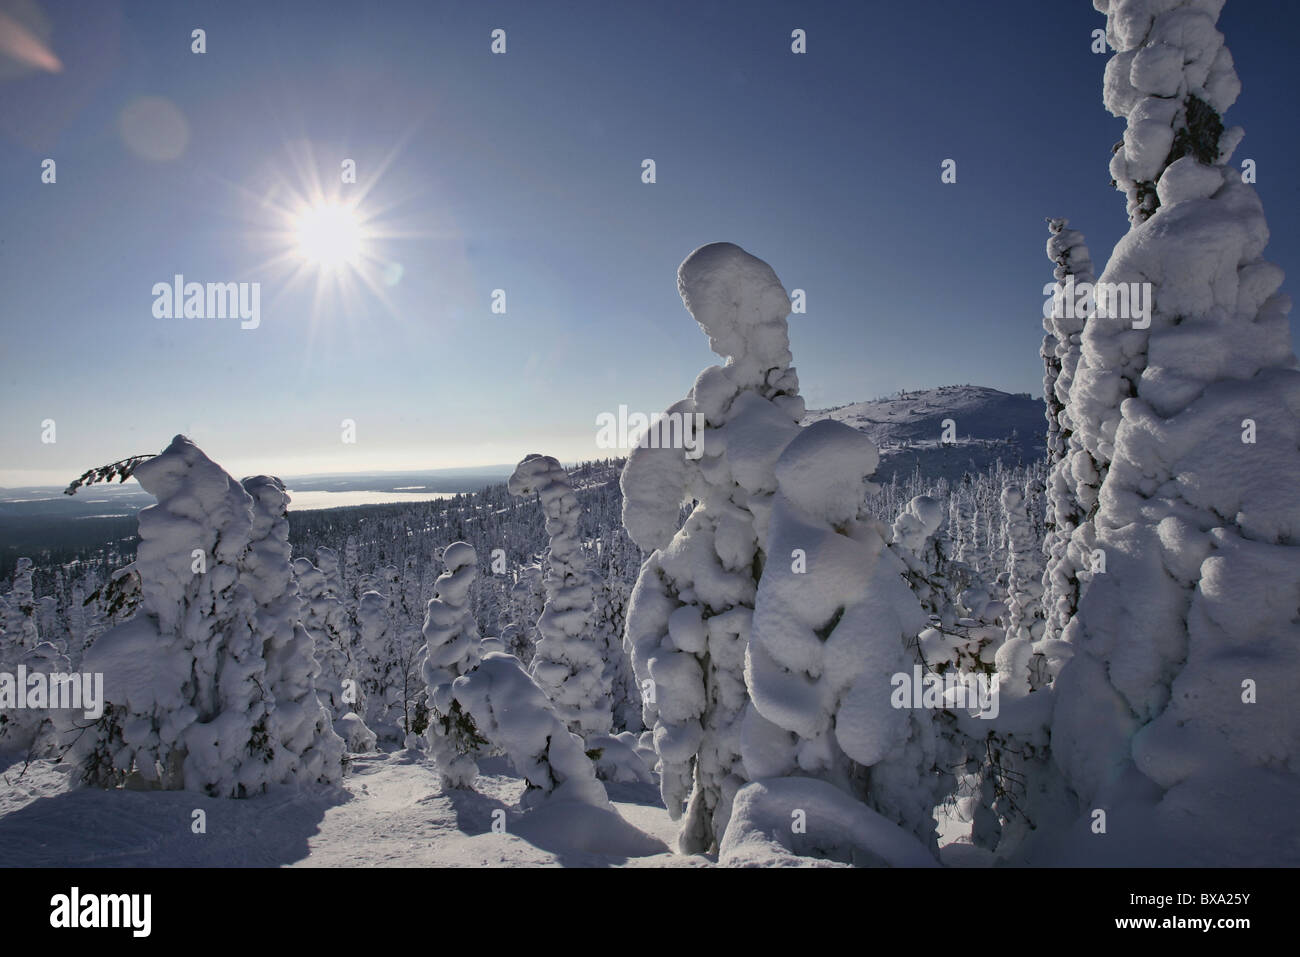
(907, 428)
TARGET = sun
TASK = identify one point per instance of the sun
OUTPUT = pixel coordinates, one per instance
(329, 235)
(316, 233)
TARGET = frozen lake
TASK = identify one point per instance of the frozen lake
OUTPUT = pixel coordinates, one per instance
(302, 501)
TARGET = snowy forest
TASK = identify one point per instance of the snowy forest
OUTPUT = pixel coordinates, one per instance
(763, 654)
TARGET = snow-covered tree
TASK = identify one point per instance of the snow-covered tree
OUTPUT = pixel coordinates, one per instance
(961, 518)
(527, 598)
(452, 649)
(324, 615)
(1177, 702)
(568, 663)
(832, 624)
(512, 712)
(185, 679)
(612, 596)
(305, 748)
(1067, 560)
(327, 560)
(36, 728)
(18, 620)
(1024, 568)
(913, 540)
(689, 618)
(349, 573)
(386, 660)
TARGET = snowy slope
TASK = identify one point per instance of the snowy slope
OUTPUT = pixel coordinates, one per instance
(990, 425)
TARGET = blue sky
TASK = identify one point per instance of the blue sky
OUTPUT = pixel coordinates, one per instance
(523, 172)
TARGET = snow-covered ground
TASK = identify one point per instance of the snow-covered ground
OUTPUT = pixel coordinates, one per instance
(390, 812)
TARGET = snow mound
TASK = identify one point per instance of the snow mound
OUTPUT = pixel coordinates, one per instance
(619, 757)
(786, 822)
(358, 738)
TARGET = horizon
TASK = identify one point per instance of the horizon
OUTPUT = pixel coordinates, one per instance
(56, 481)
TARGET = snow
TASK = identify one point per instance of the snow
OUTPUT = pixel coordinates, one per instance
(389, 812)
(822, 471)
(354, 732)
(766, 814)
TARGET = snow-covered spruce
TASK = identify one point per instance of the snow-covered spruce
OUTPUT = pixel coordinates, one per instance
(832, 621)
(1070, 465)
(185, 679)
(327, 560)
(390, 649)
(961, 521)
(914, 539)
(452, 649)
(1178, 700)
(953, 641)
(567, 663)
(1062, 325)
(951, 644)
(510, 710)
(970, 617)
(80, 619)
(381, 660)
(350, 576)
(408, 708)
(1172, 79)
(1024, 569)
(20, 644)
(326, 618)
(689, 618)
(37, 730)
(972, 574)
(18, 622)
(612, 596)
(527, 598)
(989, 764)
(1007, 756)
(305, 748)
